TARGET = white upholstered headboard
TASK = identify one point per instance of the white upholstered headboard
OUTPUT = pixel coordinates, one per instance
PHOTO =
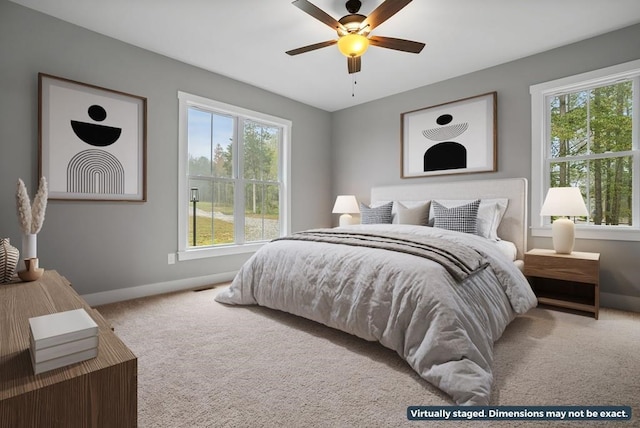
(514, 223)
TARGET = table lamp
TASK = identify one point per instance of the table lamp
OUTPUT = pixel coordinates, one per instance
(563, 201)
(346, 205)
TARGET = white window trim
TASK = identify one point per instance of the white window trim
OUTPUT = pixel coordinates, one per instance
(540, 226)
(186, 100)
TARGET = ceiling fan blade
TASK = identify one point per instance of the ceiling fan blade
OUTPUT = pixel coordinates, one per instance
(354, 64)
(383, 12)
(318, 14)
(311, 47)
(397, 44)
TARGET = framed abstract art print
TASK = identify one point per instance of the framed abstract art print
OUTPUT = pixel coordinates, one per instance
(458, 137)
(92, 141)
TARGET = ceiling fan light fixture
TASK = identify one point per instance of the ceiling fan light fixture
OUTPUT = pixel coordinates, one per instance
(353, 45)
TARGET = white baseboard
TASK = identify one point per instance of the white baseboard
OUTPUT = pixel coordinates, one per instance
(618, 301)
(112, 296)
(608, 300)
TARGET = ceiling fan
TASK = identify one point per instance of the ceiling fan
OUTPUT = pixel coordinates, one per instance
(353, 30)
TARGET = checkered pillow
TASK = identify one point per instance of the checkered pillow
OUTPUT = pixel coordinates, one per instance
(461, 219)
(377, 215)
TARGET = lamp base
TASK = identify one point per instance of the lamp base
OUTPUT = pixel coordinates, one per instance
(563, 233)
(346, 220)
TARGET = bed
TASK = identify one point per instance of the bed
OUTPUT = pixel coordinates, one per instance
(437, 296)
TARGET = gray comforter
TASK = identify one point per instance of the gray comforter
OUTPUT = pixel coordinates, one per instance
(444, 328)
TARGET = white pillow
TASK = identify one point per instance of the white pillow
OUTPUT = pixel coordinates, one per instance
(418, 215)
(490, 213)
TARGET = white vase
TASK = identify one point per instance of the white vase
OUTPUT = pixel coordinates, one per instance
(29, 246)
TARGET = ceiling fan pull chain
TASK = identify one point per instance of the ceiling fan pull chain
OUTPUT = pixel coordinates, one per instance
(353, 85)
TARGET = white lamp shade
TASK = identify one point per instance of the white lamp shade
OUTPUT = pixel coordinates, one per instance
(346, 204)
(563, 201)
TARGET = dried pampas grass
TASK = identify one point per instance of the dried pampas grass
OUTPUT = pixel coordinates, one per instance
(31, 217)
(39, 206)
(24, 207)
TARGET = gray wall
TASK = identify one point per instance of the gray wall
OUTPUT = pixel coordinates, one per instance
(366, 138)
(109, 246)
(102, 246)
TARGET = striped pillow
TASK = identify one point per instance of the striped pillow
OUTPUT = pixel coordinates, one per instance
(461, 219)
(377, 215)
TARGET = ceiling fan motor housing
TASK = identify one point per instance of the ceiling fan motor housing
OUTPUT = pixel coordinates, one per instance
(353, 6)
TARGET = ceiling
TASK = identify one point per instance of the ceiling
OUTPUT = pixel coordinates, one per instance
(247, 39)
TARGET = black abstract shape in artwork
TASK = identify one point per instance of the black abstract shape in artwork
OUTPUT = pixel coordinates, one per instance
(97, 113)
(444, 119)
(95, 171)
(94, 134)
(448, 154)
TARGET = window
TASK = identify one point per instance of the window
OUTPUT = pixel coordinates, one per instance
(585, 135)
(234, 169)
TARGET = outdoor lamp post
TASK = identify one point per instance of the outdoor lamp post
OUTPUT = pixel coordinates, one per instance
(194, 199)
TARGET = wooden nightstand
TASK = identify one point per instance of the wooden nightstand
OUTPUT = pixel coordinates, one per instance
(565, 280)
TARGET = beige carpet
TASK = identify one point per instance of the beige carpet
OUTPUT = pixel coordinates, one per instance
(202, 364)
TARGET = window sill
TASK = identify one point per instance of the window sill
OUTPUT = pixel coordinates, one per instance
(203, 253)
(612, 233)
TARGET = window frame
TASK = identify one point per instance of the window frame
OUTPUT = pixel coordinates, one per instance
(186, 100)
(540, 131)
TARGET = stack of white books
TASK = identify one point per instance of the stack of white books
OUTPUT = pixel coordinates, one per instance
(61, 339)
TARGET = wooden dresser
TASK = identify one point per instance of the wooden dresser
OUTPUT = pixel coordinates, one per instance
(100, 392)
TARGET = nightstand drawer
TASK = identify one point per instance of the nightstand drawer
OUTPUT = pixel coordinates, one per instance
(564, 268)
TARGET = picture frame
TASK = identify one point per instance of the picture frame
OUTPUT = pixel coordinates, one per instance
(458, 137)
(92, 141)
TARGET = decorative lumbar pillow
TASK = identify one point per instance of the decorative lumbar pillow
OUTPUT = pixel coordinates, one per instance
(461, 219)
(377, 215)
(418, 215)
